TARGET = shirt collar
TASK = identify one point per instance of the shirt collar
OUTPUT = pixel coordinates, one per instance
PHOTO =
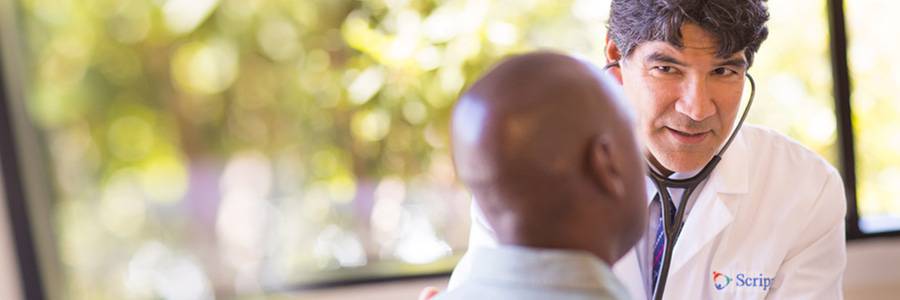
(556, 268)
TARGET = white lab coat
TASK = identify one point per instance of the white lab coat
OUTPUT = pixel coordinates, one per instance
(772, 213)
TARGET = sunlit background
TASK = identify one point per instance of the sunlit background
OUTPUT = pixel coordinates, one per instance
(219, 148)
(872, 51)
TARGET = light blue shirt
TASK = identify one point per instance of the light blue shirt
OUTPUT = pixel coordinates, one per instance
(514, 272)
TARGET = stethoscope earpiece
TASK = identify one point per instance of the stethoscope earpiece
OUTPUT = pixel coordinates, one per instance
(612, 64)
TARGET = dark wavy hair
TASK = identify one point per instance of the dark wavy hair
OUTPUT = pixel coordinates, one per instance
(736, 24)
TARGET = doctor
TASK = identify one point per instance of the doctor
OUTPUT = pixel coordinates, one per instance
(768, 221)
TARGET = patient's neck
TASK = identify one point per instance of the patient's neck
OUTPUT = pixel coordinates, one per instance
(552, 234)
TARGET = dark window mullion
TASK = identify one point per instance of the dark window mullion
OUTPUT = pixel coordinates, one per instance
(16, 204)
(841, 74)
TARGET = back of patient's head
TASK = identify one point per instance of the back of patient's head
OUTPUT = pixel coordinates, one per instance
(546, 146)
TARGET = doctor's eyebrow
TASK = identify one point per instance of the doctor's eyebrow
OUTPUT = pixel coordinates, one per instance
(659, 57)
(734, 62)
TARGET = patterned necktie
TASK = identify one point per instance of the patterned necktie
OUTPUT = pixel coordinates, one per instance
(660, 245)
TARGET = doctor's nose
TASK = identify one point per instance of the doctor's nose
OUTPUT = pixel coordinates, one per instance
(696, 102)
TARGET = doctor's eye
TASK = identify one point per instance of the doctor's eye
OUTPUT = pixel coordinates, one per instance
(724, 72)
(663, 69)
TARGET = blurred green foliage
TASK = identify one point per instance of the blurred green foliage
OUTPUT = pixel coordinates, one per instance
(213, 148)
(238, 144)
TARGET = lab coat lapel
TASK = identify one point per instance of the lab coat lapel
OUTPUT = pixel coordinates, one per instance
(628, 271)
(708, 218)
(712, 212)
(632, 268)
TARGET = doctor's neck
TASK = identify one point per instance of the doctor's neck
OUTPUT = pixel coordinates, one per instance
(656, 165)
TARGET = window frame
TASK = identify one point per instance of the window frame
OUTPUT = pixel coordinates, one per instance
(844, 116)
(24, 231)
(31, 226)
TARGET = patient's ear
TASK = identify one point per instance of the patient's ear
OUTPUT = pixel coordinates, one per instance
(602, 169)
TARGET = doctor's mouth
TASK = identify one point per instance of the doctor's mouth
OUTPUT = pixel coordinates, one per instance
(687, 137)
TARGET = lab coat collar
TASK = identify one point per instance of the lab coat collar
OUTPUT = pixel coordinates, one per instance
(732, 175)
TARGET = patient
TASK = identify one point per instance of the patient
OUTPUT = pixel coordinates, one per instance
(545, 145)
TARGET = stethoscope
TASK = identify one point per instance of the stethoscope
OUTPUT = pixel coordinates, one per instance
(672, 225)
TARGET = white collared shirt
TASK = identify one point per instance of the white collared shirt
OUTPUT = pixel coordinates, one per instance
(515, 272)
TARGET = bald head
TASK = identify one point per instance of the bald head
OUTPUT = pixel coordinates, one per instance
(531, 112)
(545, 144)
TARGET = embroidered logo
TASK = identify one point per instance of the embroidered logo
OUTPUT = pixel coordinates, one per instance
(720, 280)
(743, 281)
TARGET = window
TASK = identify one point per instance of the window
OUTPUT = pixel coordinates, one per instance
(200, 148)
(793, 75)
(875, 75)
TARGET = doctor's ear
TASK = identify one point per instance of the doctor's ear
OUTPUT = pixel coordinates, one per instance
(602, 168)
(613, 59)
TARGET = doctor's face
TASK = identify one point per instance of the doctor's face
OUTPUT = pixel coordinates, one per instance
(687, 97)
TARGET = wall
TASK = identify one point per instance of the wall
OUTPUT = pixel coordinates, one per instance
(873, 269)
